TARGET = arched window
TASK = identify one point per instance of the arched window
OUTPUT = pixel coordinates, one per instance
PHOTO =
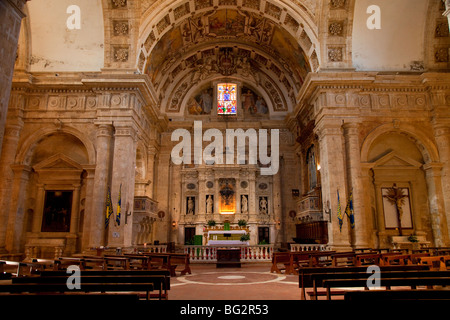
(226, 99)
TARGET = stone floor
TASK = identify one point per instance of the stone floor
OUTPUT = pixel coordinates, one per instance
(253, 281)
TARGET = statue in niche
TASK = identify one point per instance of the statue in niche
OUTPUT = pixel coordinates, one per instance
(143, 235)
(190, 205)
(244, 204)
(209, 204)
(263, 205)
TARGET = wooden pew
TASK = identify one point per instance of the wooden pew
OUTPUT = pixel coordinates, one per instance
(403, 281)
(4, 275)
(181, 259)
(297, 260)
(94, 263)
(159, 282)
(435, 262)
(349, 258)
(305, 274)
(280, 258)
(319, 279)
(19, 269)
(116, 262)
(63, 262)
(138, 261)
(61, 288)
(393, 295)
(403, 259)
(162, 286)
(320, 258)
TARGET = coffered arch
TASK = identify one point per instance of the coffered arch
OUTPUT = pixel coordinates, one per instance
(270, 45)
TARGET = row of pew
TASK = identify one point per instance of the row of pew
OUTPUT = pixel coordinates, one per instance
(370, 275)
(141, 276)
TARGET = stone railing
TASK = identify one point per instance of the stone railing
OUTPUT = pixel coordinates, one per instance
(262, 253)
(296, 247)
(160, 248)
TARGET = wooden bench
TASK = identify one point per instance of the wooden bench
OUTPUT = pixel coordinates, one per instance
(319, 279)
(171, 261)
(18, 269)
(159, 282)
(404, 281)
(305, 274)
(280, 258)
(403, 259)
(320, 258)
(181, 259)
(348, 257)
(61, 288)
(393, 295)
(435, 262)
(116, 262)
(297, 260)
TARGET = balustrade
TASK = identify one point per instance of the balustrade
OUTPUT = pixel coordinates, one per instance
(296, 247)
(248, 253)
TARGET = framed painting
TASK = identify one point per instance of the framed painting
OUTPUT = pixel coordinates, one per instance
(57, 211)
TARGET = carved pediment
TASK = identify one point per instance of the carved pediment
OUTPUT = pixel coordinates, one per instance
(58, 161)
(393, 160)
(57, 169)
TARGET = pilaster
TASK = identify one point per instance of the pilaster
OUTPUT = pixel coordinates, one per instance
(355, 184)
(101, 182)
(333, 180)
(123, 178)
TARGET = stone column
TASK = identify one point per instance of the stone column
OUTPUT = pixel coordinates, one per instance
(442, 136)
(10, 20)
(436, 203)
(101, 181)
(123, 178)
(275, 236)
(333, 179)
(10, 142)
(90, 169)
(15, 226)
(354, 179)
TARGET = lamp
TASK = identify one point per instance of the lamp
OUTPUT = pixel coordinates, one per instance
(174, 224)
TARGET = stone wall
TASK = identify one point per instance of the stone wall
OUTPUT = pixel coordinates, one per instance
(10, 20)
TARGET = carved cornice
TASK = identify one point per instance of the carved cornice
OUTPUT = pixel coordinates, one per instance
(376, 91)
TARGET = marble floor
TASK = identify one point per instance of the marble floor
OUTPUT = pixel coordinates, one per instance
(253, 281)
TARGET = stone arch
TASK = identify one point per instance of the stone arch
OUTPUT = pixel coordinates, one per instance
(423, 142)
(26, 149)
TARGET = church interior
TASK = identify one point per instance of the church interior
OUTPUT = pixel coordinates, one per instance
(224, 133)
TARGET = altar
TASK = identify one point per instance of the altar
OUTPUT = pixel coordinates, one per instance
(226, 237)
(228, 258)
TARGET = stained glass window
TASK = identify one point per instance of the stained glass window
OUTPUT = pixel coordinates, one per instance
(226, 98)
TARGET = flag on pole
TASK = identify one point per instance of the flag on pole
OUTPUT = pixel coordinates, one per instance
(109, 208)
(349, 210)
(119, 204)
(339, 212)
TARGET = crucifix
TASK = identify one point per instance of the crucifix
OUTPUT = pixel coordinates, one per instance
(396, 197)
